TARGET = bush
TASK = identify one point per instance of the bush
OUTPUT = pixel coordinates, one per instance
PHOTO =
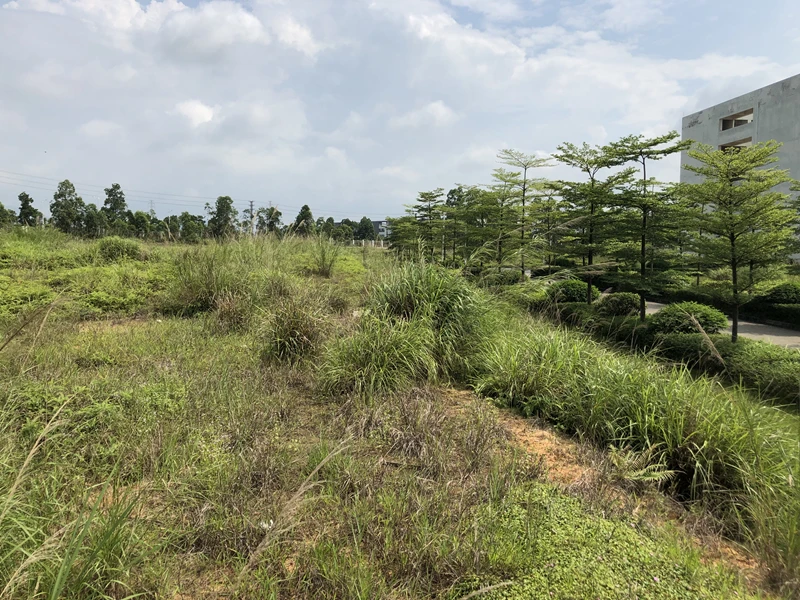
(770, 370)
(621, 304)
(456, 312)
(785, 293)
(681, 317)
(578, 314)
(505, 277)
(571, 290)
(528, 295)
(293, 332)
(113, 249)
(380, 358)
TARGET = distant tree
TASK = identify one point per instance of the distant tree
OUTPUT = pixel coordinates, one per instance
(428, 213)
(587, 201)
(115, 208)
(750, 227)
(94, 221)
(365, 230)
(349, 223)
(222, 217)
(304, 222)
(650, 203)
(67, 209)
(524, 162)
(7, 216)
(28, 215)
(343, 233)
(141, 222)
(327, 226)
(192, 227)
(268, 220)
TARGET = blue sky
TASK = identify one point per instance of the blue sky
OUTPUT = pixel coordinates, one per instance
(353, 106)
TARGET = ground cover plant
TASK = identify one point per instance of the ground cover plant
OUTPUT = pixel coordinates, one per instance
(255, 428)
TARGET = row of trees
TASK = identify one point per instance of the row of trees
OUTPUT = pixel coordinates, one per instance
(70, 214)
(730, 232)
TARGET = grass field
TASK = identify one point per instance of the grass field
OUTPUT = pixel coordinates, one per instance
(264, 419)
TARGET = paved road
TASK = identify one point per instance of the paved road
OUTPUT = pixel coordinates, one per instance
(755, 331)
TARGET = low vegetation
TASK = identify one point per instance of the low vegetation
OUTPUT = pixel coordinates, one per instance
(253, 428)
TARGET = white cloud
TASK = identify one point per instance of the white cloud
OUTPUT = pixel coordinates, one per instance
(297, 36)
(98, 128)
(47, 6)
(398, 172)
(435, 114)
(500, 10)
(616, 15)
(196, 112)
(12, 121)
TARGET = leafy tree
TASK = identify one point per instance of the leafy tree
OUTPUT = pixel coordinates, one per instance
(327, 227)
(586, 200)
(505, 196)
(749, 225)
(94, 221)
(364, 230)
(141, 222)
(67, 209)
(222, 217)
(7, 216)
(647, 200)
(304, 222)
(524, 162)
(115, 208)
(28, 215)
(192, 227)
(343, 233)
(428, 213)
(268, 220)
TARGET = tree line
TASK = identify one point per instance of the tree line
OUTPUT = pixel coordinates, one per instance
(731, 233)
(70, 214)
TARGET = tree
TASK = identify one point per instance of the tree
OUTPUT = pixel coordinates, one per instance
(343, 233)
(365, 230)
(524, 162)
(587, 200)
(268, 220)
(505, 195)
(748, 224)
(7, 216)
(115, 208)
(646, 199)
(192, 227)
(222, 218)
(94, 221)
(304, 222)
(67, 209)
(141, 222)
(428, 213)
(327, 227)
(28, 215)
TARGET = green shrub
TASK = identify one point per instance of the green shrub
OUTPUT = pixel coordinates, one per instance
(379, 358)
(785, 293)
(113, 249)
(727, 451)
(293, 332)
(681, 317)
(621, 304)
(456, 311)
(504, 277)
(528, 295)
(571, 290)
(324, 254)
(578, 314)
(770, 370)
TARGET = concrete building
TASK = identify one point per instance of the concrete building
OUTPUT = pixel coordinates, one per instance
(771, 113)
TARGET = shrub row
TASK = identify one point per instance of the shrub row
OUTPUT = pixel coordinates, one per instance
(731, 454)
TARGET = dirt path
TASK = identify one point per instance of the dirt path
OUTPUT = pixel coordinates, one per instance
(755, 331)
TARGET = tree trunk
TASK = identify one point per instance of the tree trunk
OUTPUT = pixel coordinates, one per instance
(643, 267)
(735, 282)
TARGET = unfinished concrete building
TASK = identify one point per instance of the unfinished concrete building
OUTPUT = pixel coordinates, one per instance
(770, 113)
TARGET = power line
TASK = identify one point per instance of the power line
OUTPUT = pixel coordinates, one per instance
(162, 197)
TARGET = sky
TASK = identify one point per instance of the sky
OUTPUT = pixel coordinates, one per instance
(353, 106)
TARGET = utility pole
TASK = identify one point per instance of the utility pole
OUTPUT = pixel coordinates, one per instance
(252, 219)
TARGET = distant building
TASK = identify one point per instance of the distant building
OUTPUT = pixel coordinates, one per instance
(382, 229)
(770, 113)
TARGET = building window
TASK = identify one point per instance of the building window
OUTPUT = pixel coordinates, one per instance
(738, 120)
(737, 146)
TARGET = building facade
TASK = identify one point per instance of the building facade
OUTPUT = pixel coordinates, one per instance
(770, 113)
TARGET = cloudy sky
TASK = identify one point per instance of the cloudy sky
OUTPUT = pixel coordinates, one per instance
(352, 106)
